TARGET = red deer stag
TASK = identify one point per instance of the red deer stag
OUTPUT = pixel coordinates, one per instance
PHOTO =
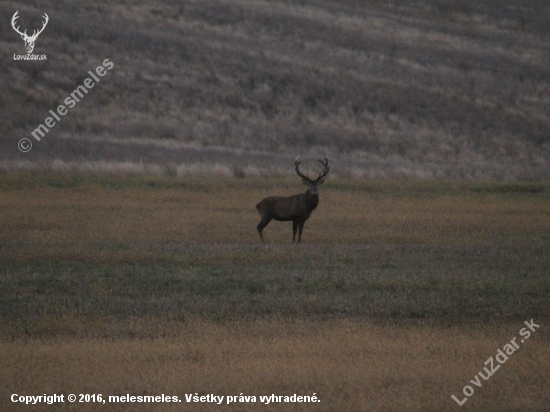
(297, 208)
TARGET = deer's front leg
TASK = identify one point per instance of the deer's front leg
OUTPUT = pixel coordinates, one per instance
(300, 229)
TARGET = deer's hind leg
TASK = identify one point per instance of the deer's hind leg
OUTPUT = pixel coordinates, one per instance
(262, 225)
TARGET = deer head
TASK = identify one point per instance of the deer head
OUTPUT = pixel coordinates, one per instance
(311, 183)
(29, 40)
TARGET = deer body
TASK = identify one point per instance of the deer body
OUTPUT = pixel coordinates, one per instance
(295, 208)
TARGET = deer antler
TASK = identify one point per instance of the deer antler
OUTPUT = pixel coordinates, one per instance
(297, 166)
(322, 160)
(13, 21)
(44, 24)
(326, 168)
(35, 32)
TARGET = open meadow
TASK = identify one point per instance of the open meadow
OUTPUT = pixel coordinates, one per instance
(399, 293)
(130, 262)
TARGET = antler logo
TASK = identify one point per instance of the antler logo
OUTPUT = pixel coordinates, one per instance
(29, 40)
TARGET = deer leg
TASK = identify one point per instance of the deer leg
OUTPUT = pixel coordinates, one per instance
(261, 226)
(294, 228)
(300, 229)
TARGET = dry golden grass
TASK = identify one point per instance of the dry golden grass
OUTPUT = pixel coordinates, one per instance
(398, 295)
(351, 366)
(67, 211)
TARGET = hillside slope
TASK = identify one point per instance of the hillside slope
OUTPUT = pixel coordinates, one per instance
(439, 89)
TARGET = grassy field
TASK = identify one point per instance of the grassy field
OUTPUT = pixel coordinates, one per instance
(349, 365)
(398, 294)
(129, 256)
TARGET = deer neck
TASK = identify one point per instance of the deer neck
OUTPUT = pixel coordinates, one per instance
(312, 199)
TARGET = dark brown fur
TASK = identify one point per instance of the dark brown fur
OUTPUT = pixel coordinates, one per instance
(296, 208)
